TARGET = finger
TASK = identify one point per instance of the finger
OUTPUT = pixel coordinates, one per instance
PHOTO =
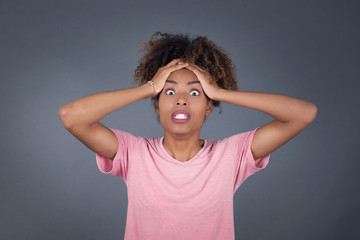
(197, 67)
(194, 69)
(178, 66)
(173, 62)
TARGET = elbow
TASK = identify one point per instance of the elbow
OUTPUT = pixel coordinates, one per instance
(310, 113)
(64, 115)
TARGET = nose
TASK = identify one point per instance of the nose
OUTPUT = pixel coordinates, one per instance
(181, 102)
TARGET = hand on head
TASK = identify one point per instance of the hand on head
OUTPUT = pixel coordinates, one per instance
(208, 84)
(163, 73)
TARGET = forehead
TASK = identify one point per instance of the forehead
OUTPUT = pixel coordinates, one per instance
(182, 76)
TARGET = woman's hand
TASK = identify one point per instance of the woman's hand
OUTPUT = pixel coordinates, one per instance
(208, 84)
(163, 73)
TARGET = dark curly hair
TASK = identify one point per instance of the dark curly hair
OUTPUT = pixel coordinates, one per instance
(162, 48)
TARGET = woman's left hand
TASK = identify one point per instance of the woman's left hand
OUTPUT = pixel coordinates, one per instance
(207, 82)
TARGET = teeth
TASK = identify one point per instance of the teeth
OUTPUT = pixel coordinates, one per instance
(180, 116)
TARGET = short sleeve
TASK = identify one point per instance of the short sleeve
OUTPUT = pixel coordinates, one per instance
(246, 165)
(119, 166)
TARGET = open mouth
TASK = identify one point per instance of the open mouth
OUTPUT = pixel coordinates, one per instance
(180, 116)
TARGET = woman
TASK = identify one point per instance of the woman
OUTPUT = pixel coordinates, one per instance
(180, 186)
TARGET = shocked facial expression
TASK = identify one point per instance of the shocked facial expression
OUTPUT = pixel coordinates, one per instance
(182, 105)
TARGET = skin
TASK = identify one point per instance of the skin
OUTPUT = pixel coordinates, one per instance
(81, 117)
(183, 91)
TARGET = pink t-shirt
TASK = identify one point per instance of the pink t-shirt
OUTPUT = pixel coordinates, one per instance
(173, 200)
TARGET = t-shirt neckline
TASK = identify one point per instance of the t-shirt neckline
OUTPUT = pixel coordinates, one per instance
(190, 161)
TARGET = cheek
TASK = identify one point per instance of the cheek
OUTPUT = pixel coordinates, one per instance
(201, 105)
(162, 106)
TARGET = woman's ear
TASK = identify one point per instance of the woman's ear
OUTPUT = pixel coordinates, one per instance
(208, 108)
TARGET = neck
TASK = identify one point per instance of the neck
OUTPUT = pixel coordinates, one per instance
(182, 149)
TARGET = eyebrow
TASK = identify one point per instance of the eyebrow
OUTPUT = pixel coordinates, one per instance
(189, 83)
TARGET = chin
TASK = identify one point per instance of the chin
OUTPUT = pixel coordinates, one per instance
(181, 131)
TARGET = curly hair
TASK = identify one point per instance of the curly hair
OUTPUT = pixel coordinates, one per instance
(165, 47)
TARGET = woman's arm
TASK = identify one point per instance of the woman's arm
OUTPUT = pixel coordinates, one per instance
(291, 115)
(81, 117)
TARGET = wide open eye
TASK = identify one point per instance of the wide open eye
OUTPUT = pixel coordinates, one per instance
(169, 92)
(194, 93)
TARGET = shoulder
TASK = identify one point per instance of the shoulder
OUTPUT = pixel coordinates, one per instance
(124, 137)
(238, 138)
(235, 144)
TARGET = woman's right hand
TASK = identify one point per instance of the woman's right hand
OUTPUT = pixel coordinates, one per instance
(163, 73)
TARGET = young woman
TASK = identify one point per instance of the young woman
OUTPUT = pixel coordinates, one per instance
(180, 186)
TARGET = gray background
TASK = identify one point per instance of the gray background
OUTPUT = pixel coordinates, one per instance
(53, 52)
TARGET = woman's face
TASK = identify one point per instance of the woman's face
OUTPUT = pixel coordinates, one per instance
(182, 104)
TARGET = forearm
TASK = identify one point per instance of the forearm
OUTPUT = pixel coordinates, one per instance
(91, 109)
(280, 107)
